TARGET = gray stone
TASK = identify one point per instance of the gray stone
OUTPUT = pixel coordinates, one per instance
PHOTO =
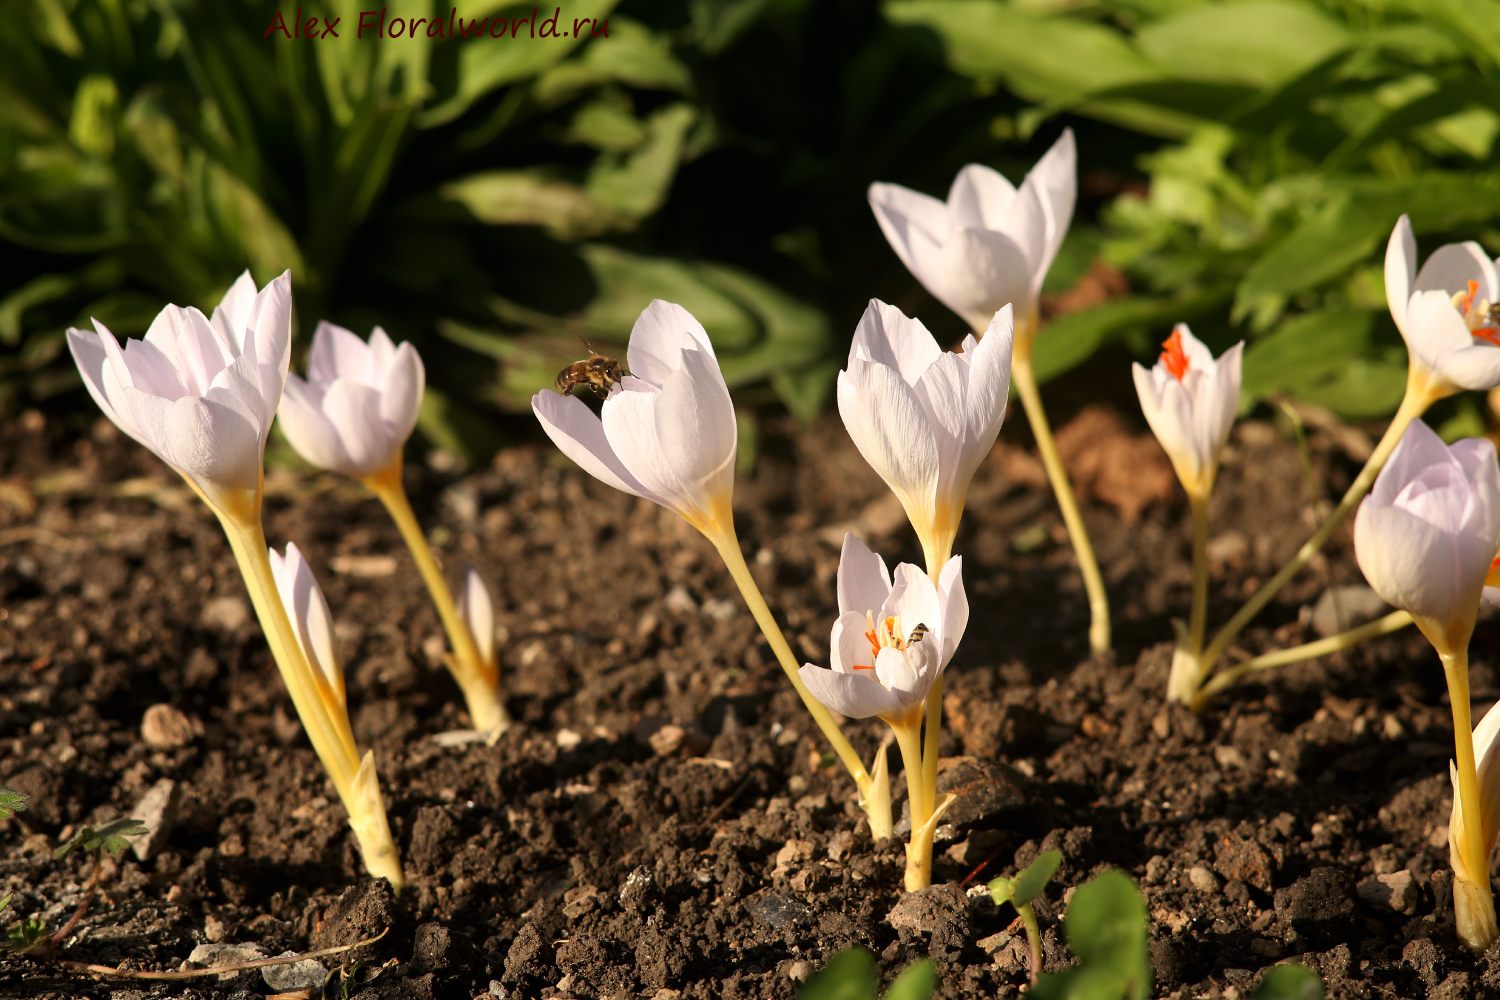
(206, 956)
(301, 975)
(1396, 891)
(157, 811)
(1343, 608)
(1203, 880)
(165, 728)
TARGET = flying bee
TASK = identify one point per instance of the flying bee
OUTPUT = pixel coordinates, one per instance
(597, 374)
(917, 634)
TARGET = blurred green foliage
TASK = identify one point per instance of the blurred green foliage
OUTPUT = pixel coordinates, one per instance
(852, 975)
(1241, 164)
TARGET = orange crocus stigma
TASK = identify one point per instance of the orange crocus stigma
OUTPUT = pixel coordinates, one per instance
(887, 634)
(1173, 356)
(1478, 317)
(1492, 579)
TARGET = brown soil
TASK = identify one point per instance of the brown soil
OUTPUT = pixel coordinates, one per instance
(724, 859)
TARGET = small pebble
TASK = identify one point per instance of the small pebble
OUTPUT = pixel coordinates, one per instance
(165, 728)
(1202, 879)
(800, 970)
(1395, 891)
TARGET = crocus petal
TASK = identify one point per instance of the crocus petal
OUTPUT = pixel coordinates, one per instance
(955, 606)
(478, 612)
(401, 395)
(1418, 448)
(849, 643)
(1409, 562)
(854, 695)
(214, 446)
(987, 392)
(864, 582)
(1474, 367)
(232, 315)
(1452, 267)
(88, 353)
(308, 428)
(339, 353)
(1168, 412)
(913, 600)
(980, 198)
(578, 433)
(889, 337)
(891, 431)
(311, 619)
(660, 335)
(900, 211)
(1487, 756)
(1055, 178)
(907, 673)
(973, 272)
(1400, 270)
(695, 426)
(268, 332)
(354, 409)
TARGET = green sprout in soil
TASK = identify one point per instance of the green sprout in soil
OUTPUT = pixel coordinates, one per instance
(851, 975)
(11, 802)
(1019, 890)
(30, 936)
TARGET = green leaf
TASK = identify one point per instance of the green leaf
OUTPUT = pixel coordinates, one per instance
(849, 975)
(530, 198)
(1303, 351)
(11, 802)
(631, 55)
(1041, 58)
(1106, 928)
(608, 126)
(112, 838)
(916, 982)
(1071, 340)
(1031, 880)
(1255, 42)
(26, 935)
(1290, 981)
(637, 186)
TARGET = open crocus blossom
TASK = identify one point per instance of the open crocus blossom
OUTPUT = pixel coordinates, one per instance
(1426, 535)
(1447, 312)
(990, 243)
(1189, 399)
(889, 645)
(353, 415)
(326, 715)
(924, 418)
(892, 638)
(667, 430)
(199, 392)
(1425, 538)
(359, 403)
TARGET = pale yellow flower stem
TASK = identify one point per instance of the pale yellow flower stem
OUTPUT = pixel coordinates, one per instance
(479, 681)
(1393, 622)
(324, 715)
(1474, 904)
(727, 543)
(1023, 377)
(1198, 616)
(1420, 394)
(937, 555)
(920, 795)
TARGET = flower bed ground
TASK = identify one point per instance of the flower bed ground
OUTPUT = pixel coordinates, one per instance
(660, 823)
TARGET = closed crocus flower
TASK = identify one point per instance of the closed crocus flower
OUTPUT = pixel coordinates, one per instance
(199, 392)
(990, 243)
(1447, 312)
(1190, 399)
(1487, 756)
(307, 609)
(924, 418)
(666, 431)
(1427, 533)
(478, 613)
(892, 639)
(359, 403)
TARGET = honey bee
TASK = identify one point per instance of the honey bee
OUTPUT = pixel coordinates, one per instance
(917, 634)
(597, 374)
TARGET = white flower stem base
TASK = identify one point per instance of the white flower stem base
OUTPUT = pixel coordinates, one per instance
(1023, 377)
(1421, 392)
(875, 804)
(1473, 902)
(479, 681)
(323, 715)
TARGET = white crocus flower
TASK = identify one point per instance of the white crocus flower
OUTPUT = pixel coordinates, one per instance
(1190, 399)
(891, 640)
(667, 430)
(1448, 312)
(990, 243)
(478, 613)
(1426, 535)
(200, 393)
(924, 418)
(307, 609)
(359, 403)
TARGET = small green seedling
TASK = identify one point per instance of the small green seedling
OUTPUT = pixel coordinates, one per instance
(112, 838)
(11, 802)
(1019, 891)
(1290, 981)
(851, 975)
(1106, 928)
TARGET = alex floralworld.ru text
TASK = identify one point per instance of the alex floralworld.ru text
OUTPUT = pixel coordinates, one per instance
(376, 24)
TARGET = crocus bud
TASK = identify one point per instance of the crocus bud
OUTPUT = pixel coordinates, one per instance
(666, 430)
(359, 403)
(1427, 533)
(1447, 312)
(200, 393)
(890, 642)
(308, 612)
(1190, 399)
(989, 244)
(1475, 915)
(924, 418)
(478, 613)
